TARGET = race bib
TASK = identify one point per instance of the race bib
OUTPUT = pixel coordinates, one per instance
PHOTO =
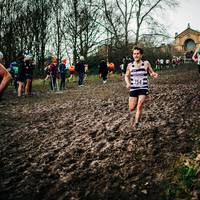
(138, 81)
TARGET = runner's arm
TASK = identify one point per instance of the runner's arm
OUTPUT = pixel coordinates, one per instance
(194, 57)
(150, 70)
(127, 77)
(6, 78)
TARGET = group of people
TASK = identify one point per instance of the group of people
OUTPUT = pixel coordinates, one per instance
(20, 73)
(57, 71)
(166, 64)
(136, 77)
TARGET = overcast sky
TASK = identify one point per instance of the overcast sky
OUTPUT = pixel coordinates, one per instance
(187, 12)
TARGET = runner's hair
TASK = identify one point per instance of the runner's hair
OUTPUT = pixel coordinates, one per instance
(139, 49)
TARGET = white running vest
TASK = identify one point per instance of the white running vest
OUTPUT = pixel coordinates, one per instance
(139, 78)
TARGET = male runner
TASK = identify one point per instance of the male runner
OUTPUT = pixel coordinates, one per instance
(137, 82)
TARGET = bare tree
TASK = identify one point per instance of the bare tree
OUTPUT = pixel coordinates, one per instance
(113, 23)
(71, 21)
(83, 29)
(145, 11)
(126, 9)
(24, 26)
(58, 26)
(8, 29)
(119, 17)
(80, 26)
(42, 10)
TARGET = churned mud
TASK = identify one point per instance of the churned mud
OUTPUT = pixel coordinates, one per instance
(80, 145)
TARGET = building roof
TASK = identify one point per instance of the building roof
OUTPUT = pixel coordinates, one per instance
(186, 31)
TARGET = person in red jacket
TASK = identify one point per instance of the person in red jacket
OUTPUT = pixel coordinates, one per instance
(71, 71)
(53, 69)
(111, 67)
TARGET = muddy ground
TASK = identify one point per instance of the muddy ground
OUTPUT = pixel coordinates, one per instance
(79, 144)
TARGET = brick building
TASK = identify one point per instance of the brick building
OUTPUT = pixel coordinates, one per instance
(186, 42)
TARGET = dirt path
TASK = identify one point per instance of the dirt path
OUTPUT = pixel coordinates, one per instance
(79, 144)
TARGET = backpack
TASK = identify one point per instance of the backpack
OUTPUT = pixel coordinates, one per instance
(14, 68)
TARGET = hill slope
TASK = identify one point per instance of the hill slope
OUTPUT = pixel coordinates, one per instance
(79, 144)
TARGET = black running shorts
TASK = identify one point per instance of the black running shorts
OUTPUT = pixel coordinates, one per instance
(137, 93)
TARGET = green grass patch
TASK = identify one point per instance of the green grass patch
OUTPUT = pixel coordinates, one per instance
(184, 183)
(185, 175)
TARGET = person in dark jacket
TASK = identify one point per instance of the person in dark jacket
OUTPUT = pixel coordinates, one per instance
(80, 68)
(28, 74)
(103, 70)
(21, 74)
(63, 69)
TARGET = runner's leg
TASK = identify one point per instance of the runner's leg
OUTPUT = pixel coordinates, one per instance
(132, 105)
(20, 88)
(28, 82)
(141, 99)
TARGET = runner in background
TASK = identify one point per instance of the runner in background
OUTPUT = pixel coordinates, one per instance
(103, 70)
(158, 64)
(124, 65)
